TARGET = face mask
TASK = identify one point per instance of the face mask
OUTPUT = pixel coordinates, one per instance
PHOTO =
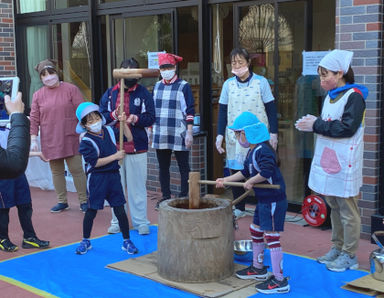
(95, 127)
(51, 80)
(130, 82)
(245, 143)
(167, 74)
(239, 72)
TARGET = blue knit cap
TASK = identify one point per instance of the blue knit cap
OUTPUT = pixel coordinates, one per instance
(83, 110)
(255, 131)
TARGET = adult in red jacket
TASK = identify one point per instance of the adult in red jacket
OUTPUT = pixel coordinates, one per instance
(139, 107)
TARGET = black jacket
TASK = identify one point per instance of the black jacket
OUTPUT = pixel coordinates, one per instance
(14, 159)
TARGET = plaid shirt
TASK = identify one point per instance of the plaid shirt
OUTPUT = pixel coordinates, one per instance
(174, 105)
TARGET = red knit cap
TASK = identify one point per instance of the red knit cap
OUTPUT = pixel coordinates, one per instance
(165, 58)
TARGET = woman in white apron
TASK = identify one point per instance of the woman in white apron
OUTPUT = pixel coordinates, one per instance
(336, 170)
(245, 91)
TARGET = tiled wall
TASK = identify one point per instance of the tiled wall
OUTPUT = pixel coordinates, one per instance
(197, 163)
(359, 28)
(7, 40)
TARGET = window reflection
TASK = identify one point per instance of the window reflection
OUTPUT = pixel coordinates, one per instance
(69, 3)
(71, 49)
(27, 6)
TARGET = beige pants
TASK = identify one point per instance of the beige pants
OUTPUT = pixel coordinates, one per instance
(345, 218)
(75, 167)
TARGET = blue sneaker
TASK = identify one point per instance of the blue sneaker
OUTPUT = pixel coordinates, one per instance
(59, 207)
(129, 247)
(84, 246)
(84, 207)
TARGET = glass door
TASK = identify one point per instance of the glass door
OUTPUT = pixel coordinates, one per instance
(274, 35)
(135, 36)
(71, 49)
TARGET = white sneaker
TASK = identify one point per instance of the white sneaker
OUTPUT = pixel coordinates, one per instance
(238, 213)
(329, 256)
(114, 229)
(343, 262)
(143, 229)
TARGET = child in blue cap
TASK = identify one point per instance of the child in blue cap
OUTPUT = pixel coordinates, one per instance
(98, 148)
(260, 166)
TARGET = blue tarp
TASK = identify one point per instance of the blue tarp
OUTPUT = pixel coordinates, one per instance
(60, 272)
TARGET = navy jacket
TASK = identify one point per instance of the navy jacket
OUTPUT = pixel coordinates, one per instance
(141, 104)
(14, 159)
(262, 159)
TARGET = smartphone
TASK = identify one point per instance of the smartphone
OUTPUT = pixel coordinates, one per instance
(8, 86)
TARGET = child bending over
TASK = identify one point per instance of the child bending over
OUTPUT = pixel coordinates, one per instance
(260, 166)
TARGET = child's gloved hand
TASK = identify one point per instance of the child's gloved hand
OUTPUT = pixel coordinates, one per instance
(189, 139)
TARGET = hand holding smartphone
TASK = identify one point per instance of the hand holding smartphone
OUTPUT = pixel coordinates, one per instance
(9, 86)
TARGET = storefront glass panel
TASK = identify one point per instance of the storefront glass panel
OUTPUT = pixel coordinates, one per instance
(222, 44)
(27, 6)
(188, 48)
(36, 50)
(71, 50)
(70, 3)
(291, 43)
(279, 59)
(136, 36)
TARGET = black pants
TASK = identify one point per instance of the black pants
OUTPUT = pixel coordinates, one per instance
(25, 218)
(237, 192)
(122, 218)
(164, 160)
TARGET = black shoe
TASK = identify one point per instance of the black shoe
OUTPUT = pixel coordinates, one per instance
(273, 286)
(7, 245)
(159, 202)
(59, 207)
(253, 273)
(34, 242)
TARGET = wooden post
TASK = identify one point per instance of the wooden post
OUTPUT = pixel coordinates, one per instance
(194, 190)
(121, 136)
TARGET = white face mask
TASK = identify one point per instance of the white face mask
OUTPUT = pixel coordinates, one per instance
(95, 127)
(167, 74)
(51, 80)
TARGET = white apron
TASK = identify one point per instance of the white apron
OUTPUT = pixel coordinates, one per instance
(336, 168)
(241, 100)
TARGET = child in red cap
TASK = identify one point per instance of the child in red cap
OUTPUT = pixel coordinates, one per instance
(172, 130)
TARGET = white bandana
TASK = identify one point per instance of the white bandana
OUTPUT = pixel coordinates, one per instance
(337, 60)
